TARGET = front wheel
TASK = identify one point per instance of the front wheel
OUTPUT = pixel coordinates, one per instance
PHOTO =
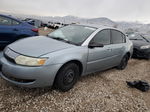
(67, 77)
(148, 57)
(123, 63)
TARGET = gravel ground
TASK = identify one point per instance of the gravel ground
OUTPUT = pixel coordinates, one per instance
(44, 32)
(100, 92)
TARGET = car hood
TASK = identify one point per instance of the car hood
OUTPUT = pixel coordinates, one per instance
(38, 46)
(139, 43)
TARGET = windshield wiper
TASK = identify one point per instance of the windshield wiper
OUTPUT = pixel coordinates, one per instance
(136, 39)
(71, 42)
(58, 38)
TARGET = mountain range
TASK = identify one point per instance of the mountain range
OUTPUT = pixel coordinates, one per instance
(124, 26)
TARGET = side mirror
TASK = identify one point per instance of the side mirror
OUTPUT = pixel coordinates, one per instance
(94, 44)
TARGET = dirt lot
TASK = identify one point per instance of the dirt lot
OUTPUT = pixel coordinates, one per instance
(100, 92)
(43, 31)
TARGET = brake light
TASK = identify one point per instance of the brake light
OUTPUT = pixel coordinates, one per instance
(35, 30)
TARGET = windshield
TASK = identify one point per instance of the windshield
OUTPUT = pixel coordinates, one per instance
(135, 37)
(72, 34)
(147, 37)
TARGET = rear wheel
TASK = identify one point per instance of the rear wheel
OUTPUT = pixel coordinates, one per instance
(123, 63)
(67, 77)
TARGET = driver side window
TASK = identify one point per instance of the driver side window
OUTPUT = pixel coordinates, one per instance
(102, 37)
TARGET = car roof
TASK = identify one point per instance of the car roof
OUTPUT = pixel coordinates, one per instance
(98, 26)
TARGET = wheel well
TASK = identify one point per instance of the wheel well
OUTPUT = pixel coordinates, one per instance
(128, 54)
(76, 62)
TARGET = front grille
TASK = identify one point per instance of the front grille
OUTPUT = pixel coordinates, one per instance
(19, 80)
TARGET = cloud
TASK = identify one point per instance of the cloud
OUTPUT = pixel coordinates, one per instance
(120, 10)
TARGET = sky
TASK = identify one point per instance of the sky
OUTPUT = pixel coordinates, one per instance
(117, 10)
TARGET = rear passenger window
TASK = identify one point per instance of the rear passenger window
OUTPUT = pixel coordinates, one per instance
(117, 37)
(15, 22)
(102, 37)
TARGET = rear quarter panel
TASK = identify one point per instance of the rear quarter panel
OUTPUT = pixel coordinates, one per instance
(129, 46)
(26, 29)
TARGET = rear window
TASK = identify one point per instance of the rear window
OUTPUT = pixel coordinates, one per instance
(15, 22)
(117, 37)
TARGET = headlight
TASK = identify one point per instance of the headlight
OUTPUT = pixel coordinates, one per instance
(145, 47)
(29, 61)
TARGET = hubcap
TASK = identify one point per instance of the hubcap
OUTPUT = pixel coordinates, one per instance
(68, 77)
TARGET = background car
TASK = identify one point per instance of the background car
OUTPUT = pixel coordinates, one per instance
(55, 25)
(141, 45)
(64, 55)
(12, 29)
(35, 22)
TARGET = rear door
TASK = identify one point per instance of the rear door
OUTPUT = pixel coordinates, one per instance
(8, 30)
(118, 43)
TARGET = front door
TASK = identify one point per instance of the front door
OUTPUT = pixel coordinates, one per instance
(100, 58)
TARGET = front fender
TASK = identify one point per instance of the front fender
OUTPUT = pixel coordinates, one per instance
(78, 53)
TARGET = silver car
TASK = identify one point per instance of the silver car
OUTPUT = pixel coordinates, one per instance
(61, 57)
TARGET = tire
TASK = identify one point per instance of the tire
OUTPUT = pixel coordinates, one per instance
(148, 57)
(66, 77)
(123, 63)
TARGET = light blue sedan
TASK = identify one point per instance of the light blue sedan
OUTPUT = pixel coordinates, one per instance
(61, 57)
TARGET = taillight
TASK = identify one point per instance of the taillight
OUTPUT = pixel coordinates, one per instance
(35, 30)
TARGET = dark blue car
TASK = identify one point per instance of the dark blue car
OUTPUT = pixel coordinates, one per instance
(12, 29)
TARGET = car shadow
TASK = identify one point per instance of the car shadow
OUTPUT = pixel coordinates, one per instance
(39, 91)
(139, 58)
(100, 74)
